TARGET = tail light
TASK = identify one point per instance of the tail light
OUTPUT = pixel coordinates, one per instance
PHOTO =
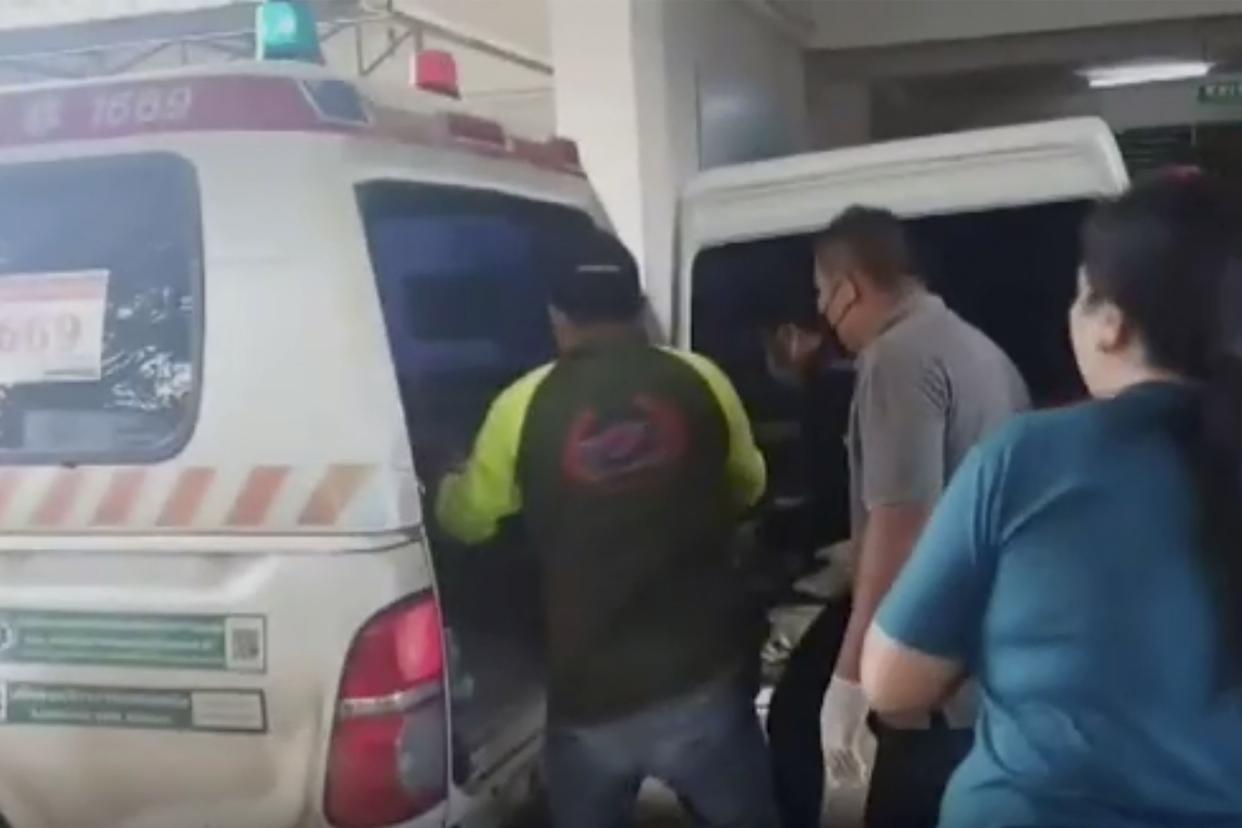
(389, 756)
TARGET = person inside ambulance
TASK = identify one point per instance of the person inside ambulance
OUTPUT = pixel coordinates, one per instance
(631, 466)
(801, 356)
(800, 405)
(928, 387)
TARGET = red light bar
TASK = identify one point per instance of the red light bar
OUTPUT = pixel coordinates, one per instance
(567, 150)
(224, 103)
(556, 154)
(436, 71)
(252, 103)
(478, 131)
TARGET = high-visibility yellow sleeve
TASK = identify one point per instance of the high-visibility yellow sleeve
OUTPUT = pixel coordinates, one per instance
(747, 470)
(471, 504)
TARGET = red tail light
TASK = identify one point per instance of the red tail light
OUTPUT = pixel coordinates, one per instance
(389, 755)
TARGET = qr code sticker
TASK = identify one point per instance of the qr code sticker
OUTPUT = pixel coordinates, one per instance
(246, 643)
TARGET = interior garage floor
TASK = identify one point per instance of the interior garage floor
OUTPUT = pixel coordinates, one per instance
(659, 809)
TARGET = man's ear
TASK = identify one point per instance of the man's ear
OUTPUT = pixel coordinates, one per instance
(854, 284)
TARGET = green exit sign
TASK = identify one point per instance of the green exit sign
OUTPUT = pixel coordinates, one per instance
(1221, 92)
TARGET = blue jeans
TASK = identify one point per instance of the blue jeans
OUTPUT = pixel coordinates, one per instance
(707, 747)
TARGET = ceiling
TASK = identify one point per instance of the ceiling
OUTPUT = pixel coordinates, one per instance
(519, 24)
(854, 24)
(16, 14)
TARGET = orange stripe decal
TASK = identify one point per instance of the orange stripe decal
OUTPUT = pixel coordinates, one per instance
(61, 496)
(119, 499)
(257, 495)
(335, 491)
(187, 497)
(10, 479)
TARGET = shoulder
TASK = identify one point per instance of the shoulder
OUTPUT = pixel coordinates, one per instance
(1038, 439)
(698, 362)
(894, 353)
(917, 342)
(709, 374)
(515, 399)
(900, 366)
(702, 367)
(1057, 423)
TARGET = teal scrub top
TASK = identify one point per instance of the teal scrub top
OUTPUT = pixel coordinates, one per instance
(1063, 568)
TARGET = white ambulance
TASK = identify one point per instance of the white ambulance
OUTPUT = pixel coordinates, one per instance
(236, 306)
(994, 217)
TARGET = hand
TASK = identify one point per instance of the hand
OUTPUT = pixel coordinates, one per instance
(842, 723)
(791, 352)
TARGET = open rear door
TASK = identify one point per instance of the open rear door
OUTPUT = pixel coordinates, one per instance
(959, 172)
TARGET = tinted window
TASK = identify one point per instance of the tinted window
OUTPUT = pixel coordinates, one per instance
(1012, 272)
(100, 312)
(462, 276)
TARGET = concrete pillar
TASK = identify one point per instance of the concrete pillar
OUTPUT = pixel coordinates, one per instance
(596, 98)
(656, 90)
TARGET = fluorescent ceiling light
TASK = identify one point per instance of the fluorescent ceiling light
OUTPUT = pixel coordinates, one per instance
(1130, 74)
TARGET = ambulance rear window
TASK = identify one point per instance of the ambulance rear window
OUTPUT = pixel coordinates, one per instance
(100, 313)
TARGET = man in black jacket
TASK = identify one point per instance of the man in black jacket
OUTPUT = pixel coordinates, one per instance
(631, 466)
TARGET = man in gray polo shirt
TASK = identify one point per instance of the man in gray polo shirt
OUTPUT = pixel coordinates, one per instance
(929, 387)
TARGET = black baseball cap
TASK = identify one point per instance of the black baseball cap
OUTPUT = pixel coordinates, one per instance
(599, 281)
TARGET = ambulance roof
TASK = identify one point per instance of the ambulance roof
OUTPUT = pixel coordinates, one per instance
(270, 96)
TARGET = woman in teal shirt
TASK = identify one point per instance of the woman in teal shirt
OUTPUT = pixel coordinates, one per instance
(1086, 564)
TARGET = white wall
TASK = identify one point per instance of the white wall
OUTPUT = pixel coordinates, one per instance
(521, 25)
(656, 90)
(596, 96)
(734, 90)
(750, 81)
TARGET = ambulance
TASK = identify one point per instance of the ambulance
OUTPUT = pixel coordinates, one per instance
(994, 218)
(242, 307)
(235, 305)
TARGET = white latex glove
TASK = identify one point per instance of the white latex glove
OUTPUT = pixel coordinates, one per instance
(842, 728)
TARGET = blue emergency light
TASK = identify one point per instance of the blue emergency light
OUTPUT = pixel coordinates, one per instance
(286, 30)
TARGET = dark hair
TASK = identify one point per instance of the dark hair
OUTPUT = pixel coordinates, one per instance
(600, 285)
(792, 303)
(876, 240)
(1168, 254)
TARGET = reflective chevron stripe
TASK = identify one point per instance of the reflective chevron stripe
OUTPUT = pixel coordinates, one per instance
(192, 497)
